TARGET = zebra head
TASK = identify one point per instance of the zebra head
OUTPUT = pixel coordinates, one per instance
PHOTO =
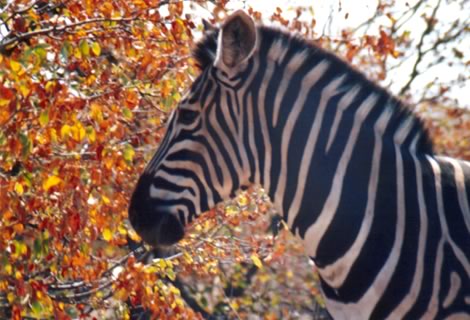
(201, 159)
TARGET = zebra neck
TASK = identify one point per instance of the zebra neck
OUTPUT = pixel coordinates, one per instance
(319, 144)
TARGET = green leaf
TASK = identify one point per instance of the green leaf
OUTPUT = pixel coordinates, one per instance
(66, 50)
(37, 308)
(3, 139)
(127, 113)
(26, 143)
(41, 52)
(37, 248)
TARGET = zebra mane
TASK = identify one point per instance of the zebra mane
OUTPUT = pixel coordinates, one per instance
(205, 50)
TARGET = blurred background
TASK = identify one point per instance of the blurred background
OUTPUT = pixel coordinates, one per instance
(85, 90)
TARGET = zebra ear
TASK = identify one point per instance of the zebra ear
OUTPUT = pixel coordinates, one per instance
(237, 40)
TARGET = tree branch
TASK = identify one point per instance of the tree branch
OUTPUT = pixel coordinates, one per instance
(14, 39)
(421, 53)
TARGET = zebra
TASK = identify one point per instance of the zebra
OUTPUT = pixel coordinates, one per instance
(350, 169)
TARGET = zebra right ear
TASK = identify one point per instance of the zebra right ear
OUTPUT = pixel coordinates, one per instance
(237, 40)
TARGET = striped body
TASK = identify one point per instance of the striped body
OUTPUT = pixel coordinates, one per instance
(347, 166)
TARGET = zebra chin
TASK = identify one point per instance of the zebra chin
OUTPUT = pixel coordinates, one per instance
(163, 229)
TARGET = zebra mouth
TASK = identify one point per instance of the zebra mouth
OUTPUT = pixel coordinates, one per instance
(164, 229)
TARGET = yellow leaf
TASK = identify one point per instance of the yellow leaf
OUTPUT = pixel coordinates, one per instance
(243, 200)
(84, 48)
(121, 294)
(19, 188)
(179, 302)
(10, 297)
(95, 47)
(175, 290)
(65, 130)
(24, 90)
(232, 210)
(77, 53)
(4, 102)
(44, 118)
(81, 132)
(49, 85)
(91, 134)
(122, 230)
(107, 235)
(95, 112)
(128, 153)
(105, 199)
(187, 257)
(256, 261)
(15, 65)
(235, 306)
(53, 133)
(50, 182)
(9, 269)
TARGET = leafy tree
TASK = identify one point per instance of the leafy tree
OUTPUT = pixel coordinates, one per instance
(85, 89)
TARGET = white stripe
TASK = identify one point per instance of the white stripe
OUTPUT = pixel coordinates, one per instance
(308, 82)
(336, 273)
(197, 168)
(410, 299)
(368, 301)
(225, 140)
(442, 217)
(264, 121)
(433, 305)
(455, 284)
(343, 104)
(163, 194)
(295, 63)
(247, 169)
(278, 52)
(232, 130)
(199, 148)
(305, 165)
(226, 183)
(317, 230)
(462, 194)
(251, 139)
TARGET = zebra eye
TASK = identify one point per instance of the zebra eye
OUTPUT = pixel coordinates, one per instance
(187, 116)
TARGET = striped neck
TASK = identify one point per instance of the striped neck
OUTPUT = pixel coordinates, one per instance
(307, 114)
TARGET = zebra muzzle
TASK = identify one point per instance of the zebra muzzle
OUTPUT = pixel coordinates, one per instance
(166, 230)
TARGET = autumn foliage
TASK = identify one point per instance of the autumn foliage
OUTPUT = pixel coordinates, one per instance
(85, 89)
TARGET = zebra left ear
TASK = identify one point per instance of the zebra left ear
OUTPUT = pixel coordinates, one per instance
(237, 39)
